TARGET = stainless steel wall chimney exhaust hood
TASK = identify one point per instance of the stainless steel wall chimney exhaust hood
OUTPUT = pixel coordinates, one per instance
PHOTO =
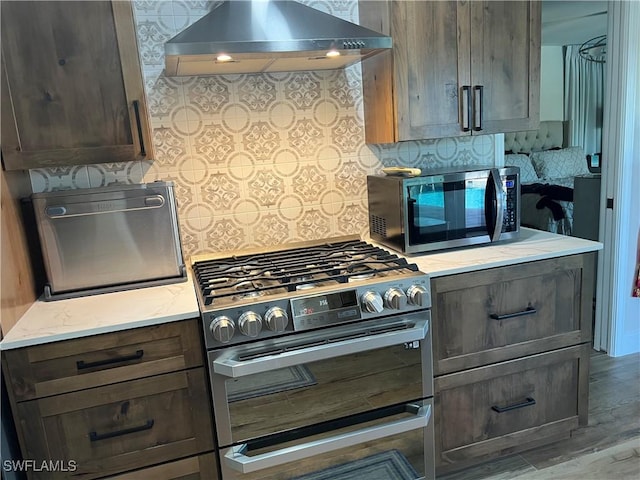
(252, 36)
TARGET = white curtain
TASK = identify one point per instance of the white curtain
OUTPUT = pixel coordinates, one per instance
(583, 93)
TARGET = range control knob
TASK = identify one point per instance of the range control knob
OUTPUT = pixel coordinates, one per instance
(419, 296)
(276, 319)
(222, 328)
(250, 324)
(372, 302)
(395, 298)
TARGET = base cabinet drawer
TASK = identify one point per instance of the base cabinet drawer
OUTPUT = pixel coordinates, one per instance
(509, 312)
(202, 467)
(483, 412)
(71, 365)
(119, 427)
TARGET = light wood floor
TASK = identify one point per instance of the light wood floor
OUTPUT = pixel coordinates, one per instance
(608, 448)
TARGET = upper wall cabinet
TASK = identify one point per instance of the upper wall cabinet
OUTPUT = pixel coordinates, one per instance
(457, 68)
(72, 86)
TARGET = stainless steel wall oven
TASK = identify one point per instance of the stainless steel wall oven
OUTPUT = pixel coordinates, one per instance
(320, 362)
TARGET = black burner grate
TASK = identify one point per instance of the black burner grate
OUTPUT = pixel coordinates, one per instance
(293, 269)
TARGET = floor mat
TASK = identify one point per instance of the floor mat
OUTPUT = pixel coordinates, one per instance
(268, 383)
(390, 465)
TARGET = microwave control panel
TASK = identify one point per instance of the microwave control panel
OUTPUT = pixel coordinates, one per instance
(511, 210)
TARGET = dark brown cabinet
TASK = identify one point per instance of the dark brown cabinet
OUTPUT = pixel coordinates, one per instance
(495, 408)
(202, 467)
(114, 403)
(511, 352)
(74, 92)
(456, 69)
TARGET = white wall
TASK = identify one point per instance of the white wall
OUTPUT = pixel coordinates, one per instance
(551, 83)
(621, 146)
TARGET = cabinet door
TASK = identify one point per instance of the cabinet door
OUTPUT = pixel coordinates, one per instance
(431, 64)
(487, 411)
(120, 427)
(505, 63)
(503, 313)
(75, 87)
(417, 92)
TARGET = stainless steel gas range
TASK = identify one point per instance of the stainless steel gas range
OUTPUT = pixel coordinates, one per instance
(320, 362)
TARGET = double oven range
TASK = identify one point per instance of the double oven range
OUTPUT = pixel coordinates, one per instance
(320, 363)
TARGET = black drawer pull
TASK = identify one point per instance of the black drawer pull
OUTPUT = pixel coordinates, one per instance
(95, 436)
(527, 311)
(527, 403)
(81, 365)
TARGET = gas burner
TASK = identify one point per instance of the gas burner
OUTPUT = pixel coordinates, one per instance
(248, 294)
(361, 276)
(247, 285)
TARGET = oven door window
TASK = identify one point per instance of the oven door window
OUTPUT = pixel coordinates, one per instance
(407, 455)
(446, 211)
(292, 384)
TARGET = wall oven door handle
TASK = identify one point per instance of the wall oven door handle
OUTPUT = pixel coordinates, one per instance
(236, 459)
(229, 365)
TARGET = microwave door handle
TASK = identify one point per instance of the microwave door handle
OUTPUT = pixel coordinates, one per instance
(494, 185)
(228, 366)
(236, 458)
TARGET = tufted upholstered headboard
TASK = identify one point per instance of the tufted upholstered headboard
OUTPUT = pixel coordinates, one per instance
(548, 136)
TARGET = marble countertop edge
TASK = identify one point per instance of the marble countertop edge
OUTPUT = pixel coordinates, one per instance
(74, 334)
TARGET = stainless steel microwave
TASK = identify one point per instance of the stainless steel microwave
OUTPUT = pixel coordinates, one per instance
(444, 208)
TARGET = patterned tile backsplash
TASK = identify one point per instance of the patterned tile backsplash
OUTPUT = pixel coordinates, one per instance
(262, 159)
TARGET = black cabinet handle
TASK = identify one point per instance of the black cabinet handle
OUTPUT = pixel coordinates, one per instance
(527, 403)
(477, 122)
(95, 436)
(527, 311)
(81, 365)
(136, 110)
(466, 108)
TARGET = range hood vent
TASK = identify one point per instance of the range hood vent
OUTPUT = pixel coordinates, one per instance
(253, 36)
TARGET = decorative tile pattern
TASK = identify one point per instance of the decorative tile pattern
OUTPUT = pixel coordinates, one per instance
(257, 92)
(347, 134)
(261, 141)
(224, 235)
(208, 94)
(220, 192)
(259, 159)
(351, 179)
(345, 86)
(267, 187)
(163, 96)
(305, 138)
(313, 225)
(272, 230)
(353, 220)
(303, 89)
(169, 147)
(214, 143)
(310, 184)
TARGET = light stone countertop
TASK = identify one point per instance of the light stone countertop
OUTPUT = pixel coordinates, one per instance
(532, 245)
(53, 321)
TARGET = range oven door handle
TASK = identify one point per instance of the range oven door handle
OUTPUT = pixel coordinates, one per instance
(228, 365)
(236, 459)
